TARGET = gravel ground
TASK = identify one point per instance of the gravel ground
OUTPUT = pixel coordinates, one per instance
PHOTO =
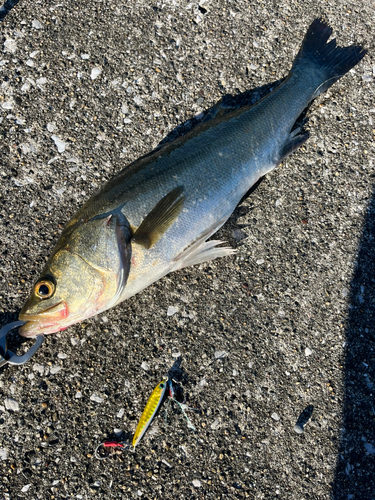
(274, 346)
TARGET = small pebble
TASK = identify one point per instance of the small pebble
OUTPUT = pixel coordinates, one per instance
(7, 105)
(172, 310)
(197, 483)
(275, 416)
(367, 78)
(215, 424)
(55, 369)
(79, 395)
(96, 398)
(85, 56)
(61, 145)
(145, 366)
(95, 72)
(36, 24)
(62, 355)
(298, 429)
(11, 404)
(51, 127)
(220, 354)
(74, 341)
(260, 261)
(10, 45)
(370, 448)
(238, 235)
(308, 352)
(120, 413)
(26, 488)
(3, 453)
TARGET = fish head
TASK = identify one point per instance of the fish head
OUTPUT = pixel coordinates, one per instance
(68, 290)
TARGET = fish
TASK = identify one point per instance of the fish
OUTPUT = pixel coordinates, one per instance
(150, 410)
(156, 215)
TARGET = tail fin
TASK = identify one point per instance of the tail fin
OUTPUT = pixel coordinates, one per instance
(332, 61)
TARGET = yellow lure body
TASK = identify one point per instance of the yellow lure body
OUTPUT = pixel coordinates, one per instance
(150, 410)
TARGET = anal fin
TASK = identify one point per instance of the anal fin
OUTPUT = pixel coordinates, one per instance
(202, 251)
(208, 250)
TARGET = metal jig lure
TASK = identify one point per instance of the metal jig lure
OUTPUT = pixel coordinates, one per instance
(150, 410)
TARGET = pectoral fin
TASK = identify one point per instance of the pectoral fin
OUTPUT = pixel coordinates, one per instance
(159, 219)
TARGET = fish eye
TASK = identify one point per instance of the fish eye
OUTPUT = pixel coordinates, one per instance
(162, 386)
(44, 289)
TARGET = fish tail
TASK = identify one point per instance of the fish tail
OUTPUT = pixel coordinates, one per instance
(327, 60)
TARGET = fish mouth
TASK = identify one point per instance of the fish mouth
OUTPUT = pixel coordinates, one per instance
(51, 320)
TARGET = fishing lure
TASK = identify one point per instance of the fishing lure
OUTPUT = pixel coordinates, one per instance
(147, 416)
(150, 410)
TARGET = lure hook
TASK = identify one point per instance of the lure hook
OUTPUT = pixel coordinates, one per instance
(111, 444)
(7, 356)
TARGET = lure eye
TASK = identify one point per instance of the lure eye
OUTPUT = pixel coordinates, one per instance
(44, 289)
(162, 386)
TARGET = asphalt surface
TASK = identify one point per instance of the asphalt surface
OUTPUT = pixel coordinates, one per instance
(274, 347)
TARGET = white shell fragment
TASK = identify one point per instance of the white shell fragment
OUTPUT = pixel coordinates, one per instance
(10, 45)
(37, 25)
(38, 368)
(7, 105)
(96, 398)
(11, 404)
(59, 143)
(55, 369)
(172, 310)
(95, 72)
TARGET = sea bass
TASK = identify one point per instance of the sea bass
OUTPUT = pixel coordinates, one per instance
(157, 215)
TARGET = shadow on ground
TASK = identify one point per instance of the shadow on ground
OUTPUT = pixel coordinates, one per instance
(7, 7)
(356, 459)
